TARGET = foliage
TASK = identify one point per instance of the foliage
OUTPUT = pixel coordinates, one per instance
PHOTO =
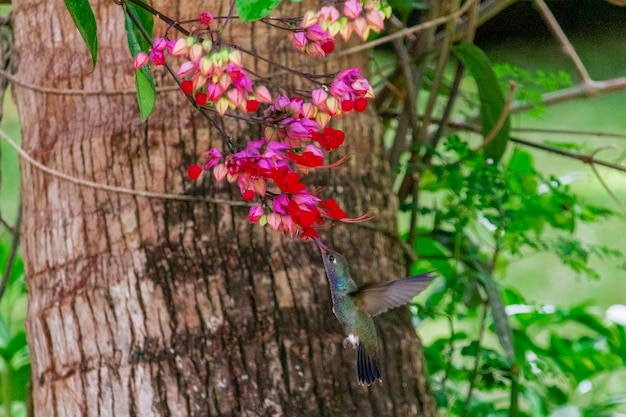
(14, 360)
(483, 216)
(476, 212)
(495, 122)
(532, 84)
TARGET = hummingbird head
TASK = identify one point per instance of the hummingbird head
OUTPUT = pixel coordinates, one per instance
(334, 262)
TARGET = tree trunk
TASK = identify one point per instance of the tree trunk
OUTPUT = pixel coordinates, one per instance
(144, 306)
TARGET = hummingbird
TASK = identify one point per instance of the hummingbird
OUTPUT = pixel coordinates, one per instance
(355, 306)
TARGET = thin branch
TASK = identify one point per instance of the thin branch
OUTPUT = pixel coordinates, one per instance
(607, 188)
(110, 188)
(571, 132)
(15, 242)
(585, 158)
(68, 91)
(568, 48)
(583, 90)
(6, 224)
(473, 375)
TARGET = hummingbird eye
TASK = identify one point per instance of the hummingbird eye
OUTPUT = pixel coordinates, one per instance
(331, 258)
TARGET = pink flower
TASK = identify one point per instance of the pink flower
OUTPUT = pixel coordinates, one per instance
(329, 14)
(157, 57)
(206, 18)
(177, 47)
(319, 95)
(309, 19)
(159, 44)
(299, 40)
(315, 33)
(376, 20)
(141, 59)
(352, 9)
(213, 158)
(280, 203)
(361, 28)
(187, 68)
(255, 213)
(220, 172)
(262, 94)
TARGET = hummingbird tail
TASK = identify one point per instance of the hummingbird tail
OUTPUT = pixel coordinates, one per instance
(368, 369)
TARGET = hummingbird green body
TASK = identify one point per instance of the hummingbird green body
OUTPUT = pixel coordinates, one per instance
(355, 306)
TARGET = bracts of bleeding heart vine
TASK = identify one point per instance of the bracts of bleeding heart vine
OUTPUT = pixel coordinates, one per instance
(297, 133)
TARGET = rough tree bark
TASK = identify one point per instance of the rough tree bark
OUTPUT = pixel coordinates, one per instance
(153, 307)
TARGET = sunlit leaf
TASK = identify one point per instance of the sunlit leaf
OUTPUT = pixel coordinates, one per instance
(250, 10)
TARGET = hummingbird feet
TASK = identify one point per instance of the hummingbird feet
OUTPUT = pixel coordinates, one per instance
(351, 340)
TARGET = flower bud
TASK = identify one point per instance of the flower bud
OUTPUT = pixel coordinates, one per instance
(141, 59)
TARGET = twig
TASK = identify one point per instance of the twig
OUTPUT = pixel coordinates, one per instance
(474, 373)
(579, 91)
(568, 48)
(585, 158)
(607, 188)
(69, 91)
(110, 188)
(15, 242)
(571, 132)
(6, 224)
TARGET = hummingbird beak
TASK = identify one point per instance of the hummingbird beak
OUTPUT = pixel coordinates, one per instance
(323, 248)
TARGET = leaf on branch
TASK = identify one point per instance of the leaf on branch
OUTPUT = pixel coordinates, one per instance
(85, 22)
(137, 42)
(250, 10)
(492, 102)
(500, 318)
(146, 93)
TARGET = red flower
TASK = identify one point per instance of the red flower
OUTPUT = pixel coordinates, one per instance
(186, 86)
(328, 46)
(360, 104)
(201, 99)
(303, 218)
(287, 181)
(332, 209)
(347, 105)
(252, 106)
(307, 159)
(248, 195)
(330, 139)
(194, 171)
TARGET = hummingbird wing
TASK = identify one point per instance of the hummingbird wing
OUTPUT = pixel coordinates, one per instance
(377, 298)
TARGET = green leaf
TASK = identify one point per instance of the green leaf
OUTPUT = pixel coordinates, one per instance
(5, 333)
(250, 10)
(521, 174)
(146, 92)
(85, 21)
(16, 344)
(137, 42)
(500, 318)
(492, 100)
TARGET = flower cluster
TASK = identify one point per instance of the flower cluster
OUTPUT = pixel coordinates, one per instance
(317, 29)
(215, 76)
(296, 135)
(268, 164)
